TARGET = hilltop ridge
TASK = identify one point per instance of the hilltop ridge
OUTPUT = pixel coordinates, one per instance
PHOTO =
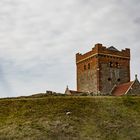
(65, 117)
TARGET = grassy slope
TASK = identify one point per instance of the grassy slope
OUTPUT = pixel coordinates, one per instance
(97, 118)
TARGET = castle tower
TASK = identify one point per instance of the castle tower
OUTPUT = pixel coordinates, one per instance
(100, 69)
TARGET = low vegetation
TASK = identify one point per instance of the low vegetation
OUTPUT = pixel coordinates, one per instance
(70, 118)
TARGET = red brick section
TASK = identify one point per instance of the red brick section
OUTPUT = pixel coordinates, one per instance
(121, 89)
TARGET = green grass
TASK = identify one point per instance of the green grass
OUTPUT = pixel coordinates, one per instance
(91, 118)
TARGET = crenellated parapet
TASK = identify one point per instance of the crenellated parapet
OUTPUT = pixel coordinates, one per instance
(100, 50)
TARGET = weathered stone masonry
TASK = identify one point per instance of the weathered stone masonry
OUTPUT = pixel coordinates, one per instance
(101, 68)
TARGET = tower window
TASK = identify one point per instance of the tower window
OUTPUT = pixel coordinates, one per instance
(117, 64)
(109, 79)
(119, 80)
(89, 66)
(110, 64)
(85, 67)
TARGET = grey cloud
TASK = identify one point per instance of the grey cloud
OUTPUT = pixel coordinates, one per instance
(137, 20)
(39, 39)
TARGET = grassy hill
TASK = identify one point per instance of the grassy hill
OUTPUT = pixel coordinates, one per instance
(90, 118)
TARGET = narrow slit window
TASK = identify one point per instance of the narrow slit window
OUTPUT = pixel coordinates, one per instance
(84, 67)
(89, 66)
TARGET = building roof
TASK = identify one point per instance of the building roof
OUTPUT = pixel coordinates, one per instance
(112, 48)
(122, 89)
(72, 92)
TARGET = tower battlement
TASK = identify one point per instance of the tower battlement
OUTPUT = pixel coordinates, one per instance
(99, 49)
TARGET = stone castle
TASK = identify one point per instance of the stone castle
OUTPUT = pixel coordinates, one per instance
(104, 71)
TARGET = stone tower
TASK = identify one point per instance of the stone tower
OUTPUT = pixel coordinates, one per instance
(100, 69)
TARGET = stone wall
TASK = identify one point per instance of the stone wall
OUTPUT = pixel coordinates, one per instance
(113, 71)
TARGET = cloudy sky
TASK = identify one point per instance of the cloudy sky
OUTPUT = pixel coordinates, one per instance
(39, 39)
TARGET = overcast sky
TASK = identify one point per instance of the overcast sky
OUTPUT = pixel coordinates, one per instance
(39, 40)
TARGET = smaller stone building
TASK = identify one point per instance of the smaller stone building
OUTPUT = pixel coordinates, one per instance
(73, 92)
(130, 88)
